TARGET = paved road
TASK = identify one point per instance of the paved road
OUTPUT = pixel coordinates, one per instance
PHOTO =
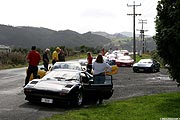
(126, 84)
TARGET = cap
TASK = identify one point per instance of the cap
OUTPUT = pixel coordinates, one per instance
(58, 48)
(47, 49)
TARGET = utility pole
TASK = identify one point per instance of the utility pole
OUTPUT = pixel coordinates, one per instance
(134, 34)
(142, 34)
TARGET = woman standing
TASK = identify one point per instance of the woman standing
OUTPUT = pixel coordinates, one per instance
(100, 67)
(89, 64)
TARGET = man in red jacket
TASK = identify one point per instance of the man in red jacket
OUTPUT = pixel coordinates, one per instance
(33, 59)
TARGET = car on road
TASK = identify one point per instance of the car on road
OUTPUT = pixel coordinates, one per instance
(58, 65)
(146, 65)
(125, 61)
(41, 72)
(67, 86)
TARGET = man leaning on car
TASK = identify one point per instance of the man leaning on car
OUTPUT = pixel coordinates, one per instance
(33, 59)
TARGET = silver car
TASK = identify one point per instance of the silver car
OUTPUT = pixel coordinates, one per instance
(146, 65)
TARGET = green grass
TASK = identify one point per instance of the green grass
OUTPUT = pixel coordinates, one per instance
(143, 56)
(151, 107)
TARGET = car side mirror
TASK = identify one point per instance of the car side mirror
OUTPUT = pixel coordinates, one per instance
(91, 82)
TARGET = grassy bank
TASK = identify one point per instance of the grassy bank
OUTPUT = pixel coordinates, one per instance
(152, 107)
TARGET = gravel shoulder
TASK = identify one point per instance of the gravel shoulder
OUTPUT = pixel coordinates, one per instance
(128, 84)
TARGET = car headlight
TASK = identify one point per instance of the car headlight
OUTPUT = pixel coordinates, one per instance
(68, 86)
(27, 91)
(33, 82)
(63, 92)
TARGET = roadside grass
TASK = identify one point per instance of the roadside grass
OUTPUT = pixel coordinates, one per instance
(153, 107)
(143, 56)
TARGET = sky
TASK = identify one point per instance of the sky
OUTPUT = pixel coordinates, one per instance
(80, 15)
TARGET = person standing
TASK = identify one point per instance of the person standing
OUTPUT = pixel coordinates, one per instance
(33, 59)
(55, 55)
(103, 52)
(46, 59)
(89, 62)
(61, 56)
(100, 67)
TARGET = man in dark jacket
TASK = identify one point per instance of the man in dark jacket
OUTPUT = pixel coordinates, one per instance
(46, 59)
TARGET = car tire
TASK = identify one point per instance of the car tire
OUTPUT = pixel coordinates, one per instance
(77, 99)
(153, 70)
(135, 70)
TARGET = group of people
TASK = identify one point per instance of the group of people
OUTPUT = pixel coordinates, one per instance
(99, 66)
(58, 55)
(34, 57)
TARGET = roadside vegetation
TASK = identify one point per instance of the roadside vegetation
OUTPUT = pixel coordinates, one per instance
(153, 107)
(17, 58)
(167, 35)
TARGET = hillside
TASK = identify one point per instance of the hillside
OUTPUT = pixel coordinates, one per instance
(25, 37)
(124, 40)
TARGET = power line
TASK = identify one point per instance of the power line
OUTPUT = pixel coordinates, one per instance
(142, 34)
(134, 37)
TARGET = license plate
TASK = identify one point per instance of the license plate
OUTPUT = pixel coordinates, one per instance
(45, 100)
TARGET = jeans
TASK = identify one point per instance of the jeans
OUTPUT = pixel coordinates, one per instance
(99, 79)
(31, 70)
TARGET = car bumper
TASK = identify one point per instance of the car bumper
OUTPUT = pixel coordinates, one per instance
(47, 97)
(142, 69)
(120, 64)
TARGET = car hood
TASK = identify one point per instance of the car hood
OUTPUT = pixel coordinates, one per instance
(125, 61)
(142, 65)
(53, 85)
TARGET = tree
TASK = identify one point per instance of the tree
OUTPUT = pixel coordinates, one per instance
(168, 35)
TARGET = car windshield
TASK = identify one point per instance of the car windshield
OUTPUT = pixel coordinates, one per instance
(73, 66)
(145, 61)
(125, 58)
(62, 76)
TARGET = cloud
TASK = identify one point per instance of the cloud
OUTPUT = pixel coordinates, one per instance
(97, 13)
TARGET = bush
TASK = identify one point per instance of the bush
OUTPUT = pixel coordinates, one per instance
(14, 58)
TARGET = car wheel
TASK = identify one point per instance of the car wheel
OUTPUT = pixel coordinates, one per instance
(78, 99)
(153, 70)
(135, 70)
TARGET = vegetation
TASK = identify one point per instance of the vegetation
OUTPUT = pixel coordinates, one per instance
(167, 35)
(17, 58)
(152, 107)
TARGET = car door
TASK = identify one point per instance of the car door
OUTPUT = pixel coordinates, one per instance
(104, 90)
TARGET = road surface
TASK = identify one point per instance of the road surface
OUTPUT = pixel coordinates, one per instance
(127, 84)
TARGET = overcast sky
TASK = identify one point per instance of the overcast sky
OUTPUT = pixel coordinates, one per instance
(79, 15)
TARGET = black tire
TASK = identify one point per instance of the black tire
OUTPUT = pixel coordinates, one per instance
(135, 70)
(153, 70)
(77, 99)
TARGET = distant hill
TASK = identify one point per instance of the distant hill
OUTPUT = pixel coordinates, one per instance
(111, 36)
(25, 37)
(124, 40)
